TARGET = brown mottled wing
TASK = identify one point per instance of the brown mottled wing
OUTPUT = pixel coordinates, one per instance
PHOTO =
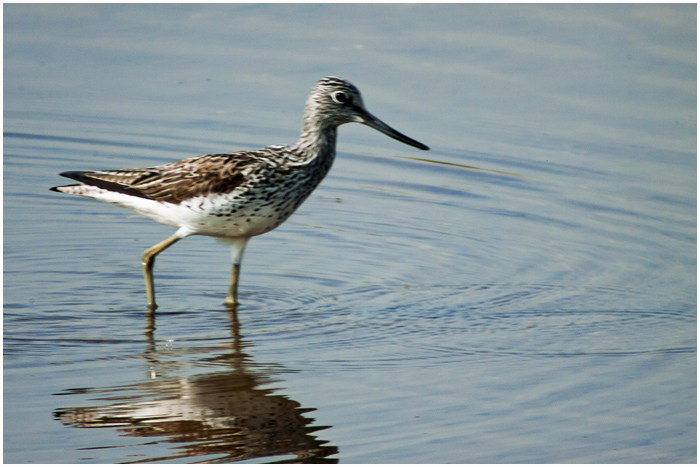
(177, 181)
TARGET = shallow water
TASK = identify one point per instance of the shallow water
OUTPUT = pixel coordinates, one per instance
(523, 292)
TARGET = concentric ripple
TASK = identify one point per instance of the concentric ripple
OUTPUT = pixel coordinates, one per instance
(439, 324)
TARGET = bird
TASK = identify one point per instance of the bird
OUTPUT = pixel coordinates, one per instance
(235, 196)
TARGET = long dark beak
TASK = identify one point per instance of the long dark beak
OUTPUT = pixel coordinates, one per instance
(373, 122)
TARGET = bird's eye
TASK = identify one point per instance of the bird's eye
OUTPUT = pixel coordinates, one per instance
(340, 97)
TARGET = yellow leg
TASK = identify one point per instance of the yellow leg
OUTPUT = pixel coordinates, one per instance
(147, 260)
(237, 248)
(232, 298)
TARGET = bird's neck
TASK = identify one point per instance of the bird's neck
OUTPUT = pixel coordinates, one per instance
(317, 142)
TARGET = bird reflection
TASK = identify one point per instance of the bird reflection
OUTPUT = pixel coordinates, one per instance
(225, 416)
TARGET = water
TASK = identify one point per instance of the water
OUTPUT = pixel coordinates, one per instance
(524, 292)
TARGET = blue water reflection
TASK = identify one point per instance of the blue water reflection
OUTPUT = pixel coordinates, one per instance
(527, 292)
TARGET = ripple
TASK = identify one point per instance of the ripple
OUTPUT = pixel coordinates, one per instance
(380, 326)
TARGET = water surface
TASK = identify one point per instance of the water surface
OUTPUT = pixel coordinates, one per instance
(523, 292)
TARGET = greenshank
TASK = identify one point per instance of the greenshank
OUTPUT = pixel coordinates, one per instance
(238, 195)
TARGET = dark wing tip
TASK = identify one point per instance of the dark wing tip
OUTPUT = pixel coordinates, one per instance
(79, 176)
(87, 179)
